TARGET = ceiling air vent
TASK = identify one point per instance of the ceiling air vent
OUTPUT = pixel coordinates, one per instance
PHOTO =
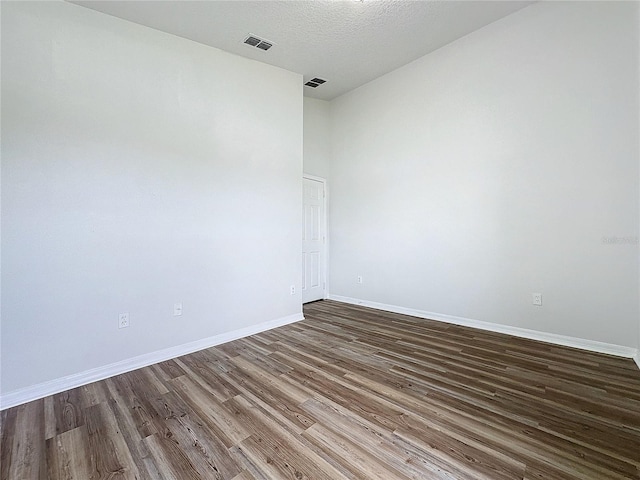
(258, 42)
(315, 82)
(264, 45)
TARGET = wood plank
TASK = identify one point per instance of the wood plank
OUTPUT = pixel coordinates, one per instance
(206, 453)
(108, 452)
(24, 453)
(68, 455)
(68, 411)
(278, 453)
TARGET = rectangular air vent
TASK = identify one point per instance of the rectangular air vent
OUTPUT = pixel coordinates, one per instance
(315, 82)
(264, 45)
(253, 41)
(258, 42)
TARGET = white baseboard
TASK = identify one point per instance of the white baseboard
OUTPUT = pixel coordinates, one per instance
(35, 392)
(591, 345)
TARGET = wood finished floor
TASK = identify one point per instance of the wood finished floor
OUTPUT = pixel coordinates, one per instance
(348, 393)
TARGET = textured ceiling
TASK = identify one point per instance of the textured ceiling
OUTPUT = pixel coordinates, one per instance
(348, 42)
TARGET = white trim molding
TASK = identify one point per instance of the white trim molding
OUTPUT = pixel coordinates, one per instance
(591, 345)
(35, 392)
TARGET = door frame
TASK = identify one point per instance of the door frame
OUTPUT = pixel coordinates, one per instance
(325, 243)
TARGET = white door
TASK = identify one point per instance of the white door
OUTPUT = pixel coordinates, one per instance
(313, 240)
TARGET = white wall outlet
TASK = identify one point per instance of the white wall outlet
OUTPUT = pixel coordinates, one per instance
(537, 299)
(177, 309)
(292, 289)
(123, 320)
(359, 279)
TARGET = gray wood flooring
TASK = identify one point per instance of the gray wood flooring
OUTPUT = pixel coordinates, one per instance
(348, 393)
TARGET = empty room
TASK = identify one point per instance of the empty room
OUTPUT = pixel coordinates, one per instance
(320, 239)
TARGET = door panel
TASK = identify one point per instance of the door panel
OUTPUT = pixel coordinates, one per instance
(313, 241)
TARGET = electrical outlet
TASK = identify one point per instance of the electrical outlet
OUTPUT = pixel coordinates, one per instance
(292, 289)
(123, 320)
(537, 299)
(177, 309)
(359, 280)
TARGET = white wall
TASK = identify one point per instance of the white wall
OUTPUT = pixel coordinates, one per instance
(138, 170)
(317, 137)
(493, 168)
